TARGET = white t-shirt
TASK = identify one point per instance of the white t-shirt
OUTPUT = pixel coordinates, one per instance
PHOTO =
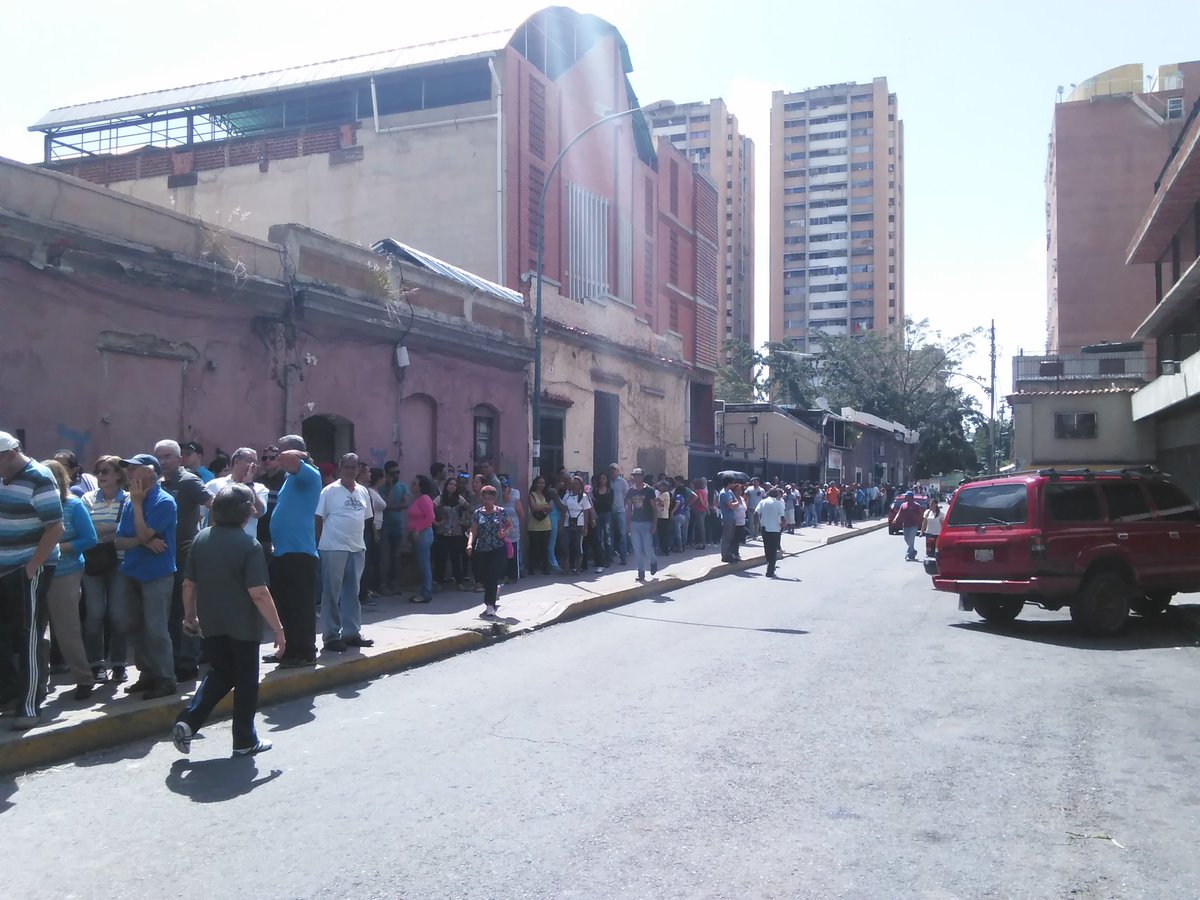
(378, 505)
(576, 507)
(260, 494)
(343, 513)
(739, 511)
(932, 524)
(770, 511)
(754, 496)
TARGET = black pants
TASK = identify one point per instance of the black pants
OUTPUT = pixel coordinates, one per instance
(665, 530)
(233, 667)
(370, 576)
(294, 587)
(185, 647)
(447, 548)
(24, 655)
(771, 547)
(539, 544)
(488, 565)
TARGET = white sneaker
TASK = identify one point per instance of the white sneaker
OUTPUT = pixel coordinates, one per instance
(488, 613)
(181, 737)
(599, 569)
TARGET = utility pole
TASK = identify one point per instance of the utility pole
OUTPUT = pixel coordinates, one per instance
(992, 409)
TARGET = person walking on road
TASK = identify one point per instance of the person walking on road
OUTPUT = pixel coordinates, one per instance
(772, 518)
(641, 508)
(224, 594)
(908, 518)
(931, 527)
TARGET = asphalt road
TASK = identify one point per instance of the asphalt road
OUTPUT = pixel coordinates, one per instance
(842, 732)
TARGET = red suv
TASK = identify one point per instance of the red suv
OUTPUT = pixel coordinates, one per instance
(1100, 543)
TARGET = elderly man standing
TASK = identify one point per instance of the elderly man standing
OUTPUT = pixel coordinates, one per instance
(146, 532)
(620, 489)
(31, 522)
(342, 511)
(191, 500)
(293, 567)
(243, 465)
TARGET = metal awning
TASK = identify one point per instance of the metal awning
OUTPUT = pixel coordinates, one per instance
(417, 257)
(329, 72)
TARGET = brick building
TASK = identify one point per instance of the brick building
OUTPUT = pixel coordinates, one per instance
(447, 147)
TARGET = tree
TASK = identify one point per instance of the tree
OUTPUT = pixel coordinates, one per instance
(890, 375)
(777, 374)
(896, 376)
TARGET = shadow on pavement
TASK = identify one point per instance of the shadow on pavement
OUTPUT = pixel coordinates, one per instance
(290, 715)
(216, 780)
(8, 787)
(1177, 627)
(708, 624)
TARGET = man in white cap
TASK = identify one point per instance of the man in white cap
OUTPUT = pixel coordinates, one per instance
(30, 526)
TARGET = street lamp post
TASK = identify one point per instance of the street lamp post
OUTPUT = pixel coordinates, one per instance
(990, 388)
(537, 313)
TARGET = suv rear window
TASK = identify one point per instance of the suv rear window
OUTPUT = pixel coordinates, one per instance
(990, 504)
(1073, 503)
(1172, 504)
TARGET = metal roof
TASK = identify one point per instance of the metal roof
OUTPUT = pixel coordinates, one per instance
(446, 270)
(329, 72)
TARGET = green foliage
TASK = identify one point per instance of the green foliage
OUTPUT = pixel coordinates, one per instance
(776, 373)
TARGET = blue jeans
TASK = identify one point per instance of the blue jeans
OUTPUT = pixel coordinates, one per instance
(619, 542)
(234, 667)
(341, 614)
(422, 542)
(104, 601)
(641, 540)
(681, 531)
(910, 538)
(148, 605)
(551, 549)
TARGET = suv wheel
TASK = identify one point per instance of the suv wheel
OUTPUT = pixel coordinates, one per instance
(1154, 603)
(1102, 607)
(997, 610)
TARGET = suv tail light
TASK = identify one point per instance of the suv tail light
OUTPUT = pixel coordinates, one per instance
(1037, 547)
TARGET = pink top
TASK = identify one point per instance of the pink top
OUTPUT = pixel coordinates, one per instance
(420, 514)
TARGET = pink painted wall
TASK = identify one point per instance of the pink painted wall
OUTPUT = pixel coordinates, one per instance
(64, 393)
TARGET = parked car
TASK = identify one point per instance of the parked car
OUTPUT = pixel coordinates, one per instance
(919, 498)
(1099, 543)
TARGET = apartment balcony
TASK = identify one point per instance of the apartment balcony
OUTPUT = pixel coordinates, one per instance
(1081, 371)
(1178, 383)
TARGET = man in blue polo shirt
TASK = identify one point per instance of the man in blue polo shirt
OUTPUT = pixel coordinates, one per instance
(294, 566)
(30, 526)
(146, 532)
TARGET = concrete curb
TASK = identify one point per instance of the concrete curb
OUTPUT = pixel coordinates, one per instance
(42, 748)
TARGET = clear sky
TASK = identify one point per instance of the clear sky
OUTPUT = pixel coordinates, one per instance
(975, 84)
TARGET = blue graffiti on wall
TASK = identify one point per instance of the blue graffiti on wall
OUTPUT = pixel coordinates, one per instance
(75, 440)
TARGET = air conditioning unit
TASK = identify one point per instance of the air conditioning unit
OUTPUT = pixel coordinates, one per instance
(1170, 367)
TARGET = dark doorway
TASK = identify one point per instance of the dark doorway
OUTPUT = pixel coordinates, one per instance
(604, 431)
(553, 430)
(327, 437)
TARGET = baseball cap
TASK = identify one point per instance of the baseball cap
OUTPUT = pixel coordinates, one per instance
(614, 466)
(142, 459)
(909, 494)
(637, 471)
(8, 442)
(193, 447)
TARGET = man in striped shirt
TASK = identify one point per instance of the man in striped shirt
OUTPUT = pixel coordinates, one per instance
(30, 526)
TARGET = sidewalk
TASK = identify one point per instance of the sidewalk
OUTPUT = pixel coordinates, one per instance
(405, 635)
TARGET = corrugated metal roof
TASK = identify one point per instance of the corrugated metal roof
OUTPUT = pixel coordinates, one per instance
(1075, 393)
(446, 270)
(328, 72)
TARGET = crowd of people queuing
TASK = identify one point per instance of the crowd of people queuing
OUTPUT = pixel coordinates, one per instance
(159, 560)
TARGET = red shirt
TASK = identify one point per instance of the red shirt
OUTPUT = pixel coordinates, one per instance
(909, 515)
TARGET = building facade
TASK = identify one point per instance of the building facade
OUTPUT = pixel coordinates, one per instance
(448, 147)
(125, 323)
(837, 212)
(1107, 143)
(1166, 242)
(707, 134)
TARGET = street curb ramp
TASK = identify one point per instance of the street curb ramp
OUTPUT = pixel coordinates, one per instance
(39, 748)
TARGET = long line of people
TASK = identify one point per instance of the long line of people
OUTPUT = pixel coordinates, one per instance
(101, 556)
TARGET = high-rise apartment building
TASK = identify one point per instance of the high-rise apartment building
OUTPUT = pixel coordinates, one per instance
(1109, 138)
(707, 133)
(837, 212)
